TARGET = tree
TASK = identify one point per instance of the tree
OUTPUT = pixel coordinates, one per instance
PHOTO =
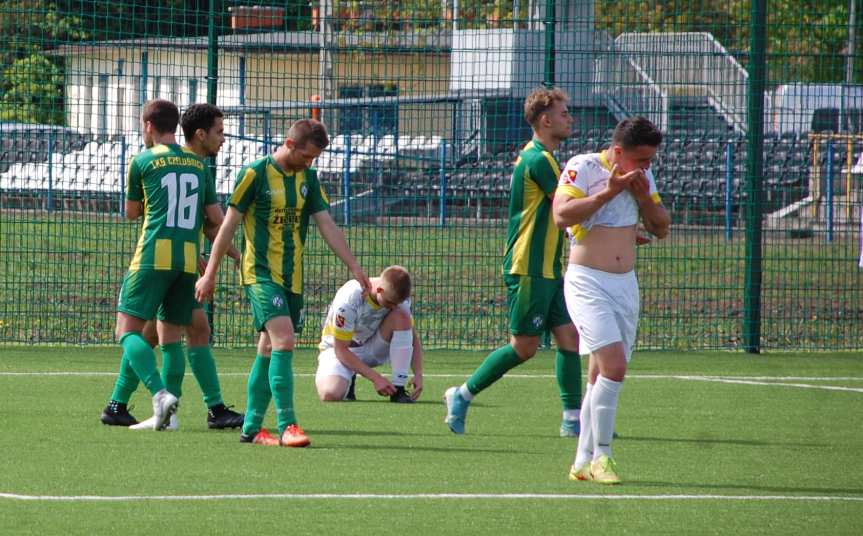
(35, 92)
(806, 39)
(30, 83)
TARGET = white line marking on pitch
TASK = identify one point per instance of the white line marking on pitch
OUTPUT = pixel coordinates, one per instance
(741, 380)
(635, 376)
(781, 384)
(438, 496)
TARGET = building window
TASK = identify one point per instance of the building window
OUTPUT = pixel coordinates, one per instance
(102, 113)
(85, 117)
(174, 89)
(370, 114)
(384, 118)
(350, 116)
(193, 90)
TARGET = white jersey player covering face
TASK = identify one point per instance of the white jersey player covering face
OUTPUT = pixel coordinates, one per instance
(599, 200)
(361, 333)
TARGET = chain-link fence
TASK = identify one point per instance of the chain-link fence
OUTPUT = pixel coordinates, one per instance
(761, 166)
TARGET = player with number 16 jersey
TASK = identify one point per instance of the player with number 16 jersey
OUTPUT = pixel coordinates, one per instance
(174, 186)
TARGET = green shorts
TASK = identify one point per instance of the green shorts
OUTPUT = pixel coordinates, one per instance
(270, 300)
(535, 304)
(168, 295)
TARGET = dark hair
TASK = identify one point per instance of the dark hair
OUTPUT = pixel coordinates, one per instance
(635, 131)
(540, 100)
(201, 115)
(400, 279)
(309, 130)
(163, 114)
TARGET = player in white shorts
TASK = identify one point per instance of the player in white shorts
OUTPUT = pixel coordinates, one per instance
(599, 199)
(361, 333)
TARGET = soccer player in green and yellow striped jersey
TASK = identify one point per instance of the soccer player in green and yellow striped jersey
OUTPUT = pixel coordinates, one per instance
(204, 132)
(532, 269)
(274, 197)
(170, 187)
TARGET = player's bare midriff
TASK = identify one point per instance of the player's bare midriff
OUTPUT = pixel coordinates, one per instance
(610, 249)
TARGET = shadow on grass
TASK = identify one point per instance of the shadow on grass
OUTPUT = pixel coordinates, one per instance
(416, 448)
(771, 489)
(707, 441)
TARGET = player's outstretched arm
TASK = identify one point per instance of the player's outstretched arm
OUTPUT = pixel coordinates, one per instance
(417, 367)
(206, 285)
(334, 238)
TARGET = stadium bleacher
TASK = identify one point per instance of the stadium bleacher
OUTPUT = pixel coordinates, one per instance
(691, 169)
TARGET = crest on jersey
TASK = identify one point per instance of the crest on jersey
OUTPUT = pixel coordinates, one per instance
(278, 302)
(304, 190)
(571, 175)
(537, 321)
(340, 321)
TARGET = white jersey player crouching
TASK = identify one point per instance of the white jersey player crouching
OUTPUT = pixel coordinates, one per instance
(364, 332)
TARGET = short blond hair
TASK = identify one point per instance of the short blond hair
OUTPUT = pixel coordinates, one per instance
(398, 278)
(540, 100)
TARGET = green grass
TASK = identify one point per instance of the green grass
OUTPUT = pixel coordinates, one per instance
(678, 437)
(60, 275)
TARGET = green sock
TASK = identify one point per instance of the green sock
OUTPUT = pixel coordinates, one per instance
(567, 365)
(204, 368)
(127, 382)
(493, 368)
(282, 386)
(173, 367)
(259, 395)
(143, 360)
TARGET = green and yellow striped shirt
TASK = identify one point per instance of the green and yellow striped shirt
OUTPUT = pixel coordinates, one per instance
(534, 242)
(276, 206)
(174, 185)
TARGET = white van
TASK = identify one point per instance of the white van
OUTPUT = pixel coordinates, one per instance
(800, 108)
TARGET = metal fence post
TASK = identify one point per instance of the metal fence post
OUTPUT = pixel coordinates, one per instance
(829, 187)
(442, 176)
(242, 68)
(346, 182)
(548, 75)
(120, 203)
(212, 86)
(754, 172)
(729, 188)
(50, 171)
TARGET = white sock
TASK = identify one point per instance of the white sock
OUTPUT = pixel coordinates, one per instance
(465, 392)
(571, 414)
(603, 401)
(584, 453)
(401, 351)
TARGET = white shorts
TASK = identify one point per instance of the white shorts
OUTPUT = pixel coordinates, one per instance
(603, 306)
(374, 352)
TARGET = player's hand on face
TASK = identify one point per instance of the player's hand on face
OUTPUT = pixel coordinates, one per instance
(618, 182)
(416, 387)
(640, 187)
(383, 386)
(204, 288)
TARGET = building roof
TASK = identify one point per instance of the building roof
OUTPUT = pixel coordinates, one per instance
(429, 41)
